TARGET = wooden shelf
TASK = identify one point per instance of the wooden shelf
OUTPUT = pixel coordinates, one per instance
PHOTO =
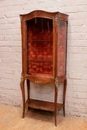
(39, 60)
(42, 105)
(39, 40)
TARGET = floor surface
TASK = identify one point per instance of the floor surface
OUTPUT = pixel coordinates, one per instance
(10, 119)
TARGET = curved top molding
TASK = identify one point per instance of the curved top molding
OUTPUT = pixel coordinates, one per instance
(43, 14)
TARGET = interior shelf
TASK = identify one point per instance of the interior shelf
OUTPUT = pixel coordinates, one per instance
(40, 41)
(42, 105)
(42, 60)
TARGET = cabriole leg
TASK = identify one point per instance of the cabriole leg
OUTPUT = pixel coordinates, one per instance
(55, 102)
(23, 94)
(64, 94)
(28, 90)
(55, 111)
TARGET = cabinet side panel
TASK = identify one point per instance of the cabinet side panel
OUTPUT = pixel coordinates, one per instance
(61, 48)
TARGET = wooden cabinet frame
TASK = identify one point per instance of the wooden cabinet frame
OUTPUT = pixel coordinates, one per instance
(49, 66)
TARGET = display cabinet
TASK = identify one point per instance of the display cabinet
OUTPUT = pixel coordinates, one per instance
(44, 47)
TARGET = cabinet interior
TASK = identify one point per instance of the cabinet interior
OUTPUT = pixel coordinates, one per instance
(40, 47)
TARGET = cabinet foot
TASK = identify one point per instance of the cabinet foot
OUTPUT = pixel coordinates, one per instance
(64, 111)
(22, 115)
(55, 123)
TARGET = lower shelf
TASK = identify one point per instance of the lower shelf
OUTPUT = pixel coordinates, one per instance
(42, 105)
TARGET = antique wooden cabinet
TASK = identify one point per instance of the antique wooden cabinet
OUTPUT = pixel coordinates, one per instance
(44, 41)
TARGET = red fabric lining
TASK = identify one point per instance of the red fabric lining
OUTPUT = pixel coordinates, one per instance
(40, 52)
(38, 67)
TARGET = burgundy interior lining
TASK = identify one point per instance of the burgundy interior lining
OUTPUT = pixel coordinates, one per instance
(40, 47)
